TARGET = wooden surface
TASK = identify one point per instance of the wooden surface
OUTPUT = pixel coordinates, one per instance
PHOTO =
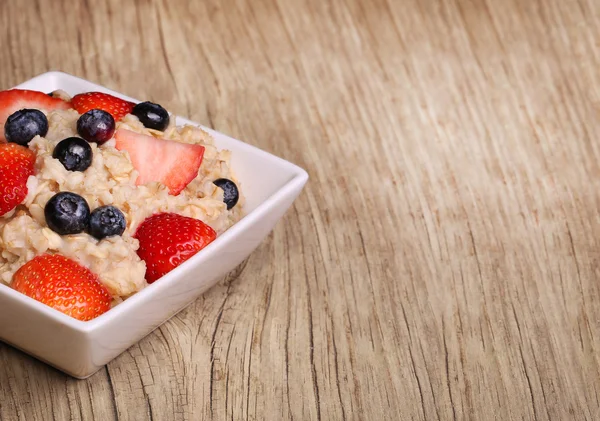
(443, 262)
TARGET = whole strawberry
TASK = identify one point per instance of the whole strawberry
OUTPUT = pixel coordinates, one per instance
(167, 240)
(64, 285)
(16, 165)
(100, 101)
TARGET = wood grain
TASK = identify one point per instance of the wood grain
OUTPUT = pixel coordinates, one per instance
(443, 262)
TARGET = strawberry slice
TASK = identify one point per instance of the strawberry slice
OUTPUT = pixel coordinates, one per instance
(17, 99)
(172, 163)
(98, 100)
(63, 284)
(16, 165)
(168, 239)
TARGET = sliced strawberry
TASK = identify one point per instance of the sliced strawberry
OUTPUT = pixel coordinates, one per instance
(63, 284)
(97, 100)
(16, 165)
(17, 99)
(167, 240)
(172, 163)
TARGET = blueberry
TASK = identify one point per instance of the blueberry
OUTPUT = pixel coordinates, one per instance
(230, 191)
(74, 153)
(96, 126)
(67, 213)
(106, 221)
(24, 125)
(152, 115)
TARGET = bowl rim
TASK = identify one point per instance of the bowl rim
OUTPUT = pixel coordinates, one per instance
(298, 179)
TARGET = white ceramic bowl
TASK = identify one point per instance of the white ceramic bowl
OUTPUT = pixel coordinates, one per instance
(270, 185)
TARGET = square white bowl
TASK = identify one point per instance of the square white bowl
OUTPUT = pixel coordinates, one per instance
(270, 185)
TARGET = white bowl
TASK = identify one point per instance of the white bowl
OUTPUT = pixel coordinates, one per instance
(270, 185)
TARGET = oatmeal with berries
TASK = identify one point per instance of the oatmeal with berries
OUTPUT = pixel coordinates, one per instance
(113, 187)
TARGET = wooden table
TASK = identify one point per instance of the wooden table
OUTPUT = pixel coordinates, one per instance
(444, 259)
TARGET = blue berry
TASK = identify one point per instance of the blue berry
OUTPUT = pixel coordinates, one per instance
(106, 221)
(96, 126)
(67, 213)
(152, 115)
(74, 153)
(231, 194)
(24, 125)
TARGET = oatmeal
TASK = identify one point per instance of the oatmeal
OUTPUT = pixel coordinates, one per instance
(110, 180)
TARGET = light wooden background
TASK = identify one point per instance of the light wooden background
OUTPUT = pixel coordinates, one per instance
(443, 262)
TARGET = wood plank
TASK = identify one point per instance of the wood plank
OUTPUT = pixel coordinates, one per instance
(442, 263)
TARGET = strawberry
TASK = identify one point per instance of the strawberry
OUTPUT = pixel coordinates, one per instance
(17, 99)
(172, 163)
(16, 165)
(167, 240)
(64, 285)
(97, 100)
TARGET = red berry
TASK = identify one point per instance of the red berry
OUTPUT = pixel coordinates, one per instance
(172, 163)
(100, 101)
(64, 285)
(167, 240)
(16, 165)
